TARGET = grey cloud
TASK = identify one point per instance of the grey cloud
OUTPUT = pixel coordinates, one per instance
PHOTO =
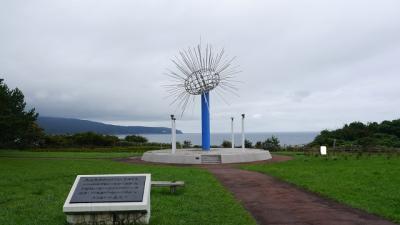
(307, 65)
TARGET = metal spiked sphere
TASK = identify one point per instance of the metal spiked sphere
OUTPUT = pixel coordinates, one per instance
(201, 81)
(198, 71)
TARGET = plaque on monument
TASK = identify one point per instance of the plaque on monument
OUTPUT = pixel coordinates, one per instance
(109, 189)
(109, 199)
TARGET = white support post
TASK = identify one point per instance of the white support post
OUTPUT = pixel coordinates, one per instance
(243, 138)
(232, 134)
(173, 134)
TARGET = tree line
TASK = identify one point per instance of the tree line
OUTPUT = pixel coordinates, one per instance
(272, 144)
(18, 129)
(384, 134)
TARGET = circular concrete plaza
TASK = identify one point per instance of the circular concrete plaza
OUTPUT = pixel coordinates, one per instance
(214, 156)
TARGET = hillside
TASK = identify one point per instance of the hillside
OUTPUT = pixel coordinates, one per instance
(386, 133)
(56, 125)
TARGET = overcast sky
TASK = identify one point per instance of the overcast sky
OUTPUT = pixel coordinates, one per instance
(307, 65)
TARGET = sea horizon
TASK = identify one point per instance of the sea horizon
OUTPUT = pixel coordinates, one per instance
(285, 138)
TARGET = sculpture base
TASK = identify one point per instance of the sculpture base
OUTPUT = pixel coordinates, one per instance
(214, 156)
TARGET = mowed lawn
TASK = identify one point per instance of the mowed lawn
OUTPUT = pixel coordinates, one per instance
(33, 191)
(371, 183)
(86, 154)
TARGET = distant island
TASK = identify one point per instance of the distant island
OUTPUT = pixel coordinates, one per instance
(58, 125)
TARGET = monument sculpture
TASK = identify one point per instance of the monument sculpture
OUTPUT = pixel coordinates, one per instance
(198, 72)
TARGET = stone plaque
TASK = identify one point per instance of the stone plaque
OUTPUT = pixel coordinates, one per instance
(109, 189)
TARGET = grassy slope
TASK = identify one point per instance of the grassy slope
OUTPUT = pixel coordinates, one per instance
(369, 183)
(33, 192)
(62, 154)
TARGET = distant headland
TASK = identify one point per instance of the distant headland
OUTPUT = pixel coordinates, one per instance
(59, 125)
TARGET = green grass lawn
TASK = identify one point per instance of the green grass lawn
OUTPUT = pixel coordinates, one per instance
(33, 190)
(369, 183)
(78, 155)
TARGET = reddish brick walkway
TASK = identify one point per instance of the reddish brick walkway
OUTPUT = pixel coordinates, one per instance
(273, 202)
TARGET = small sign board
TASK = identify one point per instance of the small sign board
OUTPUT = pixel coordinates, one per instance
(109, 199)
(109, 189)
(323, 150)
(111, 192)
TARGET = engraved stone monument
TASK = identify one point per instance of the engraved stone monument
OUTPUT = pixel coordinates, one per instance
(121, 199)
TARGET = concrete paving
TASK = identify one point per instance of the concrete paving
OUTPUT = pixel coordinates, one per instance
(214, 156)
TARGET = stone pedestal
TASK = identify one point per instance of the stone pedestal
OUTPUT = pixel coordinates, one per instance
(118, 199)
(108, 218)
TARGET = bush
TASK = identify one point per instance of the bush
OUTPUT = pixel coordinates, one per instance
(93, 139)
(226, 144)
(187, 144)
(57, 141)
(385, 134)
(136, 139)
(271, 144)
(87, 139)
(248, 144)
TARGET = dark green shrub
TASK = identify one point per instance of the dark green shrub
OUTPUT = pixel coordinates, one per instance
(187, 144)
(136, 139)
(271, 144)
(18, 128)
(248, 144)
(226, 144)
(93, 139)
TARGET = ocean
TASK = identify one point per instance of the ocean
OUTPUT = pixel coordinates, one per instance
(285, 138)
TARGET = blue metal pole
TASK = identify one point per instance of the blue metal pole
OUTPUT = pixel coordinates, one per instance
(205, 121)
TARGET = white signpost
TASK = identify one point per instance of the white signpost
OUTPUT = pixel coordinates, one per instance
(232, 134)
(173, 133)
(243, 138)
(323, 150)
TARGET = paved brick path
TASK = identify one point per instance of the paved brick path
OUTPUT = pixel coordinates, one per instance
(273, 202)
